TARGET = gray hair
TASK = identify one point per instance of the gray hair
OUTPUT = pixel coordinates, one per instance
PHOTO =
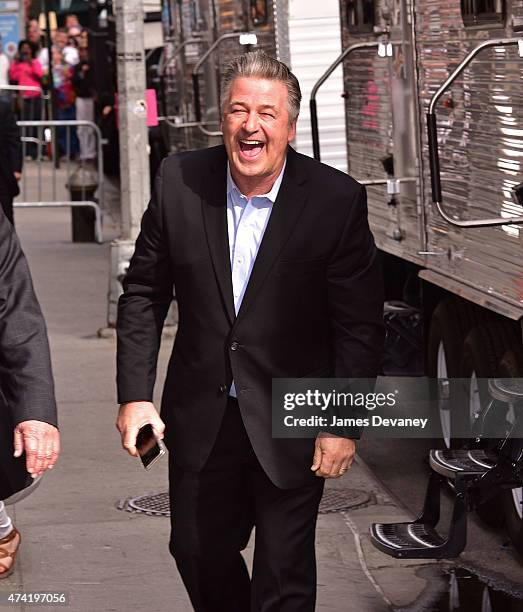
(262, 66)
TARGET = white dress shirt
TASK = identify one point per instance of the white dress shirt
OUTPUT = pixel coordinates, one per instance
(247, 219)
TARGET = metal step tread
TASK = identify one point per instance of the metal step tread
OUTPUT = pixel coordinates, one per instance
(463, 463)
(407, 540)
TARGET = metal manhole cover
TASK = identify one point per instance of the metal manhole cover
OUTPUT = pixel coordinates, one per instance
(153, 504)
(338, 500)
(333, 500)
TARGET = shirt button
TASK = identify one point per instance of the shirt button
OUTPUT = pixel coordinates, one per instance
(234, 346)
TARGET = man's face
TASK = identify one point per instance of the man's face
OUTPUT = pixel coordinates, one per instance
(61, 39)
(33, 32)
(256, 128)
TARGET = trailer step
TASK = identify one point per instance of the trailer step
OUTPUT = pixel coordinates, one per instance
(411, 541)
(463, 464)
(420, 539)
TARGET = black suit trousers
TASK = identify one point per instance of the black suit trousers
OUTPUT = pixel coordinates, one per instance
(213, 512)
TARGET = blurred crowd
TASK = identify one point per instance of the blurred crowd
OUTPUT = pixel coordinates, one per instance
(66, 75)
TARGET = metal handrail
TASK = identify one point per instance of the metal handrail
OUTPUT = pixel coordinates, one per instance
(34, 88)
(435, 174)
(171, 120)
(177, 50)
(402, 179)
(77, 203)
(324, 77)
(196, 82)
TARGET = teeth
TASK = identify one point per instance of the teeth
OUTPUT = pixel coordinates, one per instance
(252, 142)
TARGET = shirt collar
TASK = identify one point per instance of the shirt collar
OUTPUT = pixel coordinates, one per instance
(271, 195)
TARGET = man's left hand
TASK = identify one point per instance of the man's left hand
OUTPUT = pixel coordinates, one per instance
(332, 455)
(41, 443)
(18, 175)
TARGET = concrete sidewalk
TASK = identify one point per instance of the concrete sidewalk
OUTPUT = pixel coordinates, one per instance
(74, 539)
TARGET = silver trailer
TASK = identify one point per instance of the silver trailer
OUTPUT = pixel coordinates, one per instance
(434, 114)
(456, 218)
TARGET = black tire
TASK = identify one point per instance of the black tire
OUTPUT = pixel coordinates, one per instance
(483, 351)
(511, 366)
(450, 323)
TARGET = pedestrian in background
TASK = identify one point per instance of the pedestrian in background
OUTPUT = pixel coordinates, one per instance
(65, 102)
(10, 160)
(29, 438)
(72, 21)
(83, 85)
(27, 71)
(74, 34)
(34, 35)
(62, 43)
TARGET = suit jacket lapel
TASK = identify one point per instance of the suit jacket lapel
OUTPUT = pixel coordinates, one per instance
(284, 216)
(214, 210)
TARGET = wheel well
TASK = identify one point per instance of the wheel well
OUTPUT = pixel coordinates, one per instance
(402, 283)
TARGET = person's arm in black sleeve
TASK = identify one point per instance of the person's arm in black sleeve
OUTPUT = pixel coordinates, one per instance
(356, 296)
(13, 143)
(25, 362)
(142, 308)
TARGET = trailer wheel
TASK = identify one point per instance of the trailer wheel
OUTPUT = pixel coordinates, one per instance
(511, 366)
(449, 325)
(483, 351)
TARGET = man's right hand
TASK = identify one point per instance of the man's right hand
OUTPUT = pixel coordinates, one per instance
(133, 416)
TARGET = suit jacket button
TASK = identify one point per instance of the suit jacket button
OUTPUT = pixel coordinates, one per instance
(223, 388)
(234, 346)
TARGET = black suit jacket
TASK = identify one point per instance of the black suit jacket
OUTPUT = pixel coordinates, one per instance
(313, 306)
(26, 380)
(10, 152)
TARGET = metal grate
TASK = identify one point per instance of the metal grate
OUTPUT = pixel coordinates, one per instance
(338, 500)
(333, 500)
(153, 504)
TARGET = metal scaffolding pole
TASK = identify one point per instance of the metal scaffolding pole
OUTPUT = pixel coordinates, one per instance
(134, 160)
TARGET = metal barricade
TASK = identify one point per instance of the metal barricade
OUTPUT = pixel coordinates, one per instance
(16, 99)
(19, 88)
(46, 180)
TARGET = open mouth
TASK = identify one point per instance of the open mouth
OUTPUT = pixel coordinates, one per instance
(251, 148)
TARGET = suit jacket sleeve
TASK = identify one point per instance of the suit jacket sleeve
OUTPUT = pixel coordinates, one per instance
(13, 143)
(142, 308)
(25, 364)
(356, 295)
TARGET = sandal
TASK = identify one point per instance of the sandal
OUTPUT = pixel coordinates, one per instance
(4, 554)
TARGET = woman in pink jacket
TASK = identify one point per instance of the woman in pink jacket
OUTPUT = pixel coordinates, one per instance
(27, 71)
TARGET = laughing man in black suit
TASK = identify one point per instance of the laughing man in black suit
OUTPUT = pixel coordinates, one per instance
(276, 276)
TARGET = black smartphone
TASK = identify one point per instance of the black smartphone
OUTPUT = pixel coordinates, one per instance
(150, 448)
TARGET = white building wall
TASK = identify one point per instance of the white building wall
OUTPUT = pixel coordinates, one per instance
(314, 42)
